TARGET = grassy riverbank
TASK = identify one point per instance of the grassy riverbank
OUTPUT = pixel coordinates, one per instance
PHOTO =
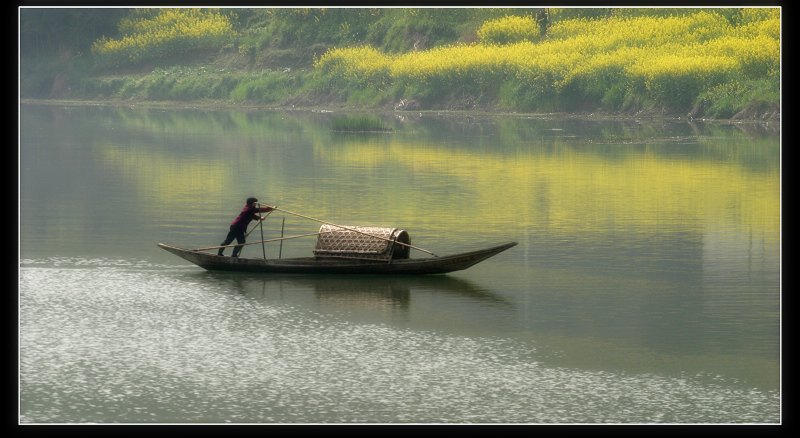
(695, 63)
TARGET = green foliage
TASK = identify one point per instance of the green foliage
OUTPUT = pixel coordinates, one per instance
(103, 88)
(51, 31)
(267, 87)
(725, 100)
(303, 27)
(174, 83)
(54, 46)
(402, 30)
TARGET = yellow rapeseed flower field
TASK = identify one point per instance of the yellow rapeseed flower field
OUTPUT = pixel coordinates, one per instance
(670, 58)
(510, 29)
(150, 34)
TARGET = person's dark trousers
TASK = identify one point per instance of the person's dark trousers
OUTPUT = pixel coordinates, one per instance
(235, 233)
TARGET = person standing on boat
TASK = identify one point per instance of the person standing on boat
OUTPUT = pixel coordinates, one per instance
(239, 225)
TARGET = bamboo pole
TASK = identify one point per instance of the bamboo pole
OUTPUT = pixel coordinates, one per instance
(208, 248)
(259, 221)
(280, 248)
(261, 226)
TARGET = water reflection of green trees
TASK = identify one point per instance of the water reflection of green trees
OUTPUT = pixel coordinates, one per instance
(712, 141)
(633, 174)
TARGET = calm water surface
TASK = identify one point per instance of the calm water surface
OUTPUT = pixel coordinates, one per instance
(645, 287)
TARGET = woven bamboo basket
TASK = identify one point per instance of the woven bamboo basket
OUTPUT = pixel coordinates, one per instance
(357, 242)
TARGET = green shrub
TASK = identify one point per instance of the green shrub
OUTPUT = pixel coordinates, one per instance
(267, 87)
(725, 100)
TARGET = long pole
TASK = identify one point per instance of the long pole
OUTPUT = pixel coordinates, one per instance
(254, 226)
(354, 230)
(261, 226)
(280, 248)
(208, 248)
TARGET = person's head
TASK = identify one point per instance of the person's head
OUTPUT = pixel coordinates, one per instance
(251, 201)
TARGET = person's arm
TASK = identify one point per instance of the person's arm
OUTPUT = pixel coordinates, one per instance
(266, 209)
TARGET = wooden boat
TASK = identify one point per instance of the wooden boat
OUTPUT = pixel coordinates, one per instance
(339, 265)
(343, 249)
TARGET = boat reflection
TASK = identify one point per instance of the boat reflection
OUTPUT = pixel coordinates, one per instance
(367, 291)
(566, 324)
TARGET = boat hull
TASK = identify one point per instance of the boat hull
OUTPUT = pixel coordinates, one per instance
(312, 265)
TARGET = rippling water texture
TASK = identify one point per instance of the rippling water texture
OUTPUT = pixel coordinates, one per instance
(645, 287)
(136, 344)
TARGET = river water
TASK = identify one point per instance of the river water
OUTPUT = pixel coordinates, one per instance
(646, 286)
